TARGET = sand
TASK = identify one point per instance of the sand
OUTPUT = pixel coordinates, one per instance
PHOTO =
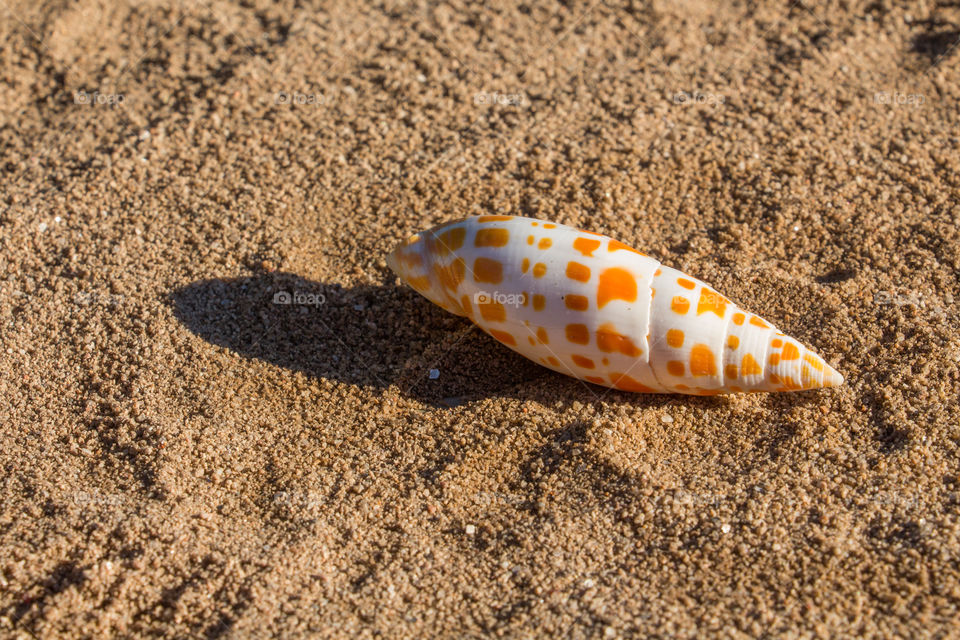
(184, 457)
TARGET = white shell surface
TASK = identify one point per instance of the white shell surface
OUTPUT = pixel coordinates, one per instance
(591, 307)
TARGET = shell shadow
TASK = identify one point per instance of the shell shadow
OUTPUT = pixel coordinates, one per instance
(372, 336)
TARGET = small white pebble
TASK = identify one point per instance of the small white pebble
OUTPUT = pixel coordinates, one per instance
(434, 374)
(42, 227)
(57, 219)
(609, 632)
(588, 583)
(145, 134)
(470, 529)
(725, 528)
(666, 418)
(796, 227)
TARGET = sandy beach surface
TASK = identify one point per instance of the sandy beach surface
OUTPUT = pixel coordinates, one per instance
(184, 456)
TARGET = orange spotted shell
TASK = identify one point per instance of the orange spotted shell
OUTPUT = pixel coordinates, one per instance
(593, 308)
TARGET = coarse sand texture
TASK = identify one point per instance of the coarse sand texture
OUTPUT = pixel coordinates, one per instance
(223, 414)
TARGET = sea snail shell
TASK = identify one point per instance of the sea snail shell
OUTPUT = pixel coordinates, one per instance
(593, 308)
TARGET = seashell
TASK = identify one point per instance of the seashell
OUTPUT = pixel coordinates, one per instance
(588, 306)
